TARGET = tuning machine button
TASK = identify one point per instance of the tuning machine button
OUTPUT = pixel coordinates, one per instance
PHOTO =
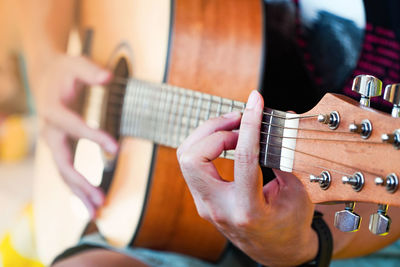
(346, 220)
(332, 119)
(393, 138)
(392, 95)
(364, 128)
(379, 222)
(367, 86)
(324, 179)
(356, 181)
(391, 182)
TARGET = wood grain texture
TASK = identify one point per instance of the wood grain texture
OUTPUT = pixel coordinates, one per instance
(343, 153)
(217, 49)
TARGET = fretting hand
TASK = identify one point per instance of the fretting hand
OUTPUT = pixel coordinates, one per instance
(270, 223)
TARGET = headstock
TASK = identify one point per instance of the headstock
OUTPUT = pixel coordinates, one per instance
(348, 152)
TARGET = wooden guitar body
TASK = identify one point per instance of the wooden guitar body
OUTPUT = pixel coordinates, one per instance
(213, 47)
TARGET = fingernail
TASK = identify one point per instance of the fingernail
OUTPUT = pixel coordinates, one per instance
(231, 115)
(253, 99)
(98, 199)
(111, 148)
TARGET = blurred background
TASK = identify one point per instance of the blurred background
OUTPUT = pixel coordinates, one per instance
(17, 141)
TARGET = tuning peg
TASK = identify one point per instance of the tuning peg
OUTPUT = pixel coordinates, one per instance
(391, 182)
(364, 128)
(379, 222)
(324, 179)
(346, 220)
(392, 95)
(356, 181)
(332, 119)
(367, 86)
(393, 138)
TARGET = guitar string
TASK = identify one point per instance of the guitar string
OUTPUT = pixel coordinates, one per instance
(241, 107)
(189, 119)
(307, 164)
(301, 152)
(283, 117)
(327, 140)
(296, 117)
(320, 158)
(118, 112)
(314, 166)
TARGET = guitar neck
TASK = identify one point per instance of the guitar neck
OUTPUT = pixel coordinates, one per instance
(167, 114)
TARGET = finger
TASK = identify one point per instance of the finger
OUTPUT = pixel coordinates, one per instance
(196, 163)
(225, 122)
(69, 122)
(247, 179)
(88, 72)
(91, 196)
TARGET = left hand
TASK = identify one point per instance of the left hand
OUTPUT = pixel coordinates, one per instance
(271, 223)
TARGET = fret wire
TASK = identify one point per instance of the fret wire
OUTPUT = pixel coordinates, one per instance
(138, 108)
(126, 111)
(172, 94)
(166, 113)
(180, 116)
(164, 97)
(200, 104)
(269, 129)
(173, 116)
(208, 108)
(231, 106)
(132, 107)
(189, 120)
(219, 107)
(157, 112)
(148, 119)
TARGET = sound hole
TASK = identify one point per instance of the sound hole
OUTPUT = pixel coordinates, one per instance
(116, 93)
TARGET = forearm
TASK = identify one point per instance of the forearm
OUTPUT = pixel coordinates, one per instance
(44, 29)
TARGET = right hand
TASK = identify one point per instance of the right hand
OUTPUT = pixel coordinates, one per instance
(55, 87)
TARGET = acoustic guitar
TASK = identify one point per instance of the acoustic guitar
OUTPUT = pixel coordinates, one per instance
(215, 48)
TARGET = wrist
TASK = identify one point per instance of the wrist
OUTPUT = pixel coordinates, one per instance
(309, 249)
(325, 243)
(313, 247)
(303, 249)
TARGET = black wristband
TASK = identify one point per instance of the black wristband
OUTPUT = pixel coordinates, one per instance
(325, 241)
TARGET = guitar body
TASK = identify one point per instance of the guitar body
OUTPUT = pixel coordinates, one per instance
(213, 47)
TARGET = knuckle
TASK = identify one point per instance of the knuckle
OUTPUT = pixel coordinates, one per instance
(186, 161)
(217, 217)
(213, 122)
(203, 214)
(243, 220)
(245, 157)
(220, 135)
(249, 122)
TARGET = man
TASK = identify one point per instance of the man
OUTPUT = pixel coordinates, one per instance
(251, 215)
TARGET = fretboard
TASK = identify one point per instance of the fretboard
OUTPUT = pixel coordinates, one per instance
(167, 114)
